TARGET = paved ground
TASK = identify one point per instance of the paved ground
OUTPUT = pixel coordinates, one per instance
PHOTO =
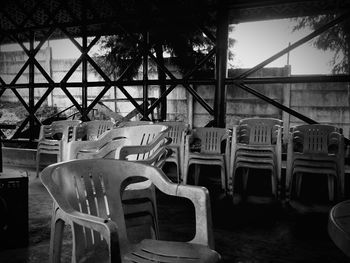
(244, 233)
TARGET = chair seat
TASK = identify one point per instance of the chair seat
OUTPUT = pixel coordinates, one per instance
(49, 142)
(314, 170)
(315, 157)
(255, 160)
(206, 156)
(256, 147)
(150, 250)
(255, 153)
(254, 166)
(313, 163)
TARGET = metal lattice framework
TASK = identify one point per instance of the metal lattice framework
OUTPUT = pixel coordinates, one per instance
(32, 20)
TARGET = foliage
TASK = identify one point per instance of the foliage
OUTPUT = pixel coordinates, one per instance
(334, 39)
(185, 49)
(176, 33)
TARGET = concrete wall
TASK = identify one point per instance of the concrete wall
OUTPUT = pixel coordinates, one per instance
(324, 102)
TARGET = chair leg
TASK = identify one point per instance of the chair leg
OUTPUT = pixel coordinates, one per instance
(273, 184)
(245, 181)
(37, 162)
(155, 211)
(298, 183)
(197, 170)
(185, 173)
(233, 177)
(223, 178)
(57, 227)
(178, 168)
(331, 180)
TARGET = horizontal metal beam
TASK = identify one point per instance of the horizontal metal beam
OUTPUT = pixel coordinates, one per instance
(292, 79)
(228, 81)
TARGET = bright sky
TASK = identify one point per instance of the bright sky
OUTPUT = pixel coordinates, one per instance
(255, 42)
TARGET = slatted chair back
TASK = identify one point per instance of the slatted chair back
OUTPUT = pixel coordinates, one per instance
(113, 139)
(258, 131)
(95, 188)
(56, 129)
(315, 139)
(91, 130)
(53, 138)
(210, 139)
(176, 132)
(143, 141)
(317, 149)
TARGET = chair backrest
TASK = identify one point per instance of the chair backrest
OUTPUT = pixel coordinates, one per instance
(133, 123)
(152, 135)
(96, 187)
(258, 131)
(210, 138)
(56, 129)
(316, 139)
(176, 132)
(91, 130)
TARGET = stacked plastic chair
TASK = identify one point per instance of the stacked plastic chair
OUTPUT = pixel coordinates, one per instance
(144, 144)
(112, 142)
(88, 196)
(177, 133)
(91, 130)
(256, 144)
(203, 146)
(316, 149)
(53, 138)
(132, 123)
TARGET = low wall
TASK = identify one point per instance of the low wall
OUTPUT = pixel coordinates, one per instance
(324, 102)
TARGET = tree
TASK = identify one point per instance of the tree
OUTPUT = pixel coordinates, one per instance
(335, 39)
(178, 37)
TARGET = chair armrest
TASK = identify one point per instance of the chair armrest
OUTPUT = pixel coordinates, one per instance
(199, 196)
(141, 149)
(201, 201)
(93, 147)
(158, 157)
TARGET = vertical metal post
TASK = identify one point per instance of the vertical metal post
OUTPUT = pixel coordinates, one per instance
(31, 87)
(221, 66)
(84, 79)
(161, 77)
(145, 75)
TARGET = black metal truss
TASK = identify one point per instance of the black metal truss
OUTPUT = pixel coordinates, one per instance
(220, 81)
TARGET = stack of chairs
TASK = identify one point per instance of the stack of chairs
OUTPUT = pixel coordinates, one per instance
(132, 123)
(315, 149)
(144, 144)
(209, 152)
(53, 138)
(256, 144)
(177, 133)
(91, 130)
